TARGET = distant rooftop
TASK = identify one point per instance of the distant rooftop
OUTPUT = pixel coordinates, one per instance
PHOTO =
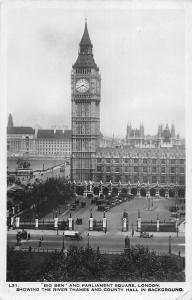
(20, 130)
(173, 152)
(50, 134)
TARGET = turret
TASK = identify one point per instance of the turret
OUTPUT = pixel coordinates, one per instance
(173, 131)
(141, 130)
(10, 121)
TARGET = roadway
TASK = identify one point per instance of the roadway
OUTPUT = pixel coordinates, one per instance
(106, 241)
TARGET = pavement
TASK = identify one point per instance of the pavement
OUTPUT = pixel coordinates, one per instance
(109, 242)
(95, 233)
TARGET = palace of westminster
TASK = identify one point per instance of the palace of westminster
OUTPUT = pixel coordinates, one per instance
(138, 159)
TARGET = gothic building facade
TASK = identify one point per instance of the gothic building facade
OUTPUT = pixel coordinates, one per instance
(165, 137)
(85, 98)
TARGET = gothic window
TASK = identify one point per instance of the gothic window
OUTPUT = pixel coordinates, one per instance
(108, 169)
(136, 169)
(126, 160)
(162, 169)
(144, 169)
(117, 169)
(99, 169)
(130, 169)
(154, 161)
(181, 170)
(181, 161)
(154, 179)
(117, 178)
(154, 169)
(173, 161)
(116, 160)
(145, 179)
(108, 178)
(173, 179)
(99, 177)
(136, 160)
(126, 169)
(99, 160)
(145, 161)
(136, 179)
(162, 179)
(127, 178)
(163, 161)
(108, 160)
(181, 180)
(172, 169)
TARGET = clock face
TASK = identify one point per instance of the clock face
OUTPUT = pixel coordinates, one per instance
(82, 85)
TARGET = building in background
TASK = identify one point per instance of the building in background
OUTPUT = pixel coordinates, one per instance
(165, 137)
(26, 141)
(163, 166)
(55, 143)
(20, 139)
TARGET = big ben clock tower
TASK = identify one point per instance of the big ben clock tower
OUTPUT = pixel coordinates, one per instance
(85, 97)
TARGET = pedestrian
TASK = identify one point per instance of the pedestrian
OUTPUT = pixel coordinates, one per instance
(28, 236)
(40, 243)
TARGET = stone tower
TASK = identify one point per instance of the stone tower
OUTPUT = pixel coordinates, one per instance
(10, 121)
(85, 97)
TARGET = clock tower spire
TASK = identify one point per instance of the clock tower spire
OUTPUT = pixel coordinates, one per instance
(85, 98)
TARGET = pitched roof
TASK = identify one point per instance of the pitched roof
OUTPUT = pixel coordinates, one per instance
(68, 134)
(174, 152)
(49, 134)
(85, 61)
(45, 133)
(59, 133)
(85, 58)
(20, 130)
(85, 40)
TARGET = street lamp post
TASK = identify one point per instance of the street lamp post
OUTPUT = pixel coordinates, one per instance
(177, 231)
(88, 240)
(148, 202)
(170, 244)
(63, 245)
(132, 230)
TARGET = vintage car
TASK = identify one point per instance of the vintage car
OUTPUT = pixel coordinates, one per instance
(79, 221)
(145, 235)
(72, 235)
(21, 235)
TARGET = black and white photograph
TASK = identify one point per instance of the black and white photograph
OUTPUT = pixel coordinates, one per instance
(95, 137)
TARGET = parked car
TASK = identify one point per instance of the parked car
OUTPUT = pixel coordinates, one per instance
(145, 235)
(79, 221)
(21, 235)
(73, 207)
(107, 208)
(72, 235)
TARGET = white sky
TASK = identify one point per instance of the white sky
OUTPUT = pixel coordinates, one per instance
(140, 53)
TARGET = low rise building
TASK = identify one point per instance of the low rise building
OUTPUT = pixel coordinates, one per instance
(53, 143)
(20, 141)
